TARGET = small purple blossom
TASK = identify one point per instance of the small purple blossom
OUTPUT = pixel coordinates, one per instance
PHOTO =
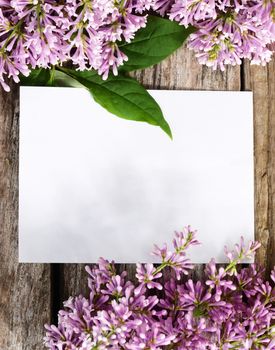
(146, 274)
(241, 252)
(188, 12)
(150, 337)
(176, 259)
(232, 309)
(184, 239)
(217, 280)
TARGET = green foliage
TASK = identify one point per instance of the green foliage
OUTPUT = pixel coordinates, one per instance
(152, 44)
(122, 95)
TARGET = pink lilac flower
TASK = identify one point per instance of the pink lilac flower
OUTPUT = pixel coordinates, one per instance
(146, 274)
(188, 12)
(232, 309)
(176, 259)
(217, 280)
(171, 302)
(61, 337)
(112, 58)
(150, 337)
(248, 278)
(192, 332)
(241, 251)
(117, 286)
(184, 239)
(193, 295)
(163, 6)
(78, 313)
(111, 328)
(227, 31)
(142, 5)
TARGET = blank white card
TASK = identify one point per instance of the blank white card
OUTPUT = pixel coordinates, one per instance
(92, 184)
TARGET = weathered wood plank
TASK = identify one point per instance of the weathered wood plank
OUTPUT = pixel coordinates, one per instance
(179, 71)
(182, 71)
(25, 303)
(261, 80)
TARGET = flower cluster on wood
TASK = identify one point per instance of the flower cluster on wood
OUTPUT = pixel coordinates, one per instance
(232, 309)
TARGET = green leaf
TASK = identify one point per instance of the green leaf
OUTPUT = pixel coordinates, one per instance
(48, 77)
(37, 77)
(122, 96)
(159, 39)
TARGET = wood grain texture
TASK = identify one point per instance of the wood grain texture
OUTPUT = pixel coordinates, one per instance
(261, 80)
(25, 299)
(179, 71)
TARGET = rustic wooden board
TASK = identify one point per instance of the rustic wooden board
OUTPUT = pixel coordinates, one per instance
(261, 80)
(30, 295)
(25, 290)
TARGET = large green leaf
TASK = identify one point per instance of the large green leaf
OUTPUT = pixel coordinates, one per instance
(37, 77)
(48, 77)
(152, 44)
(120, 95)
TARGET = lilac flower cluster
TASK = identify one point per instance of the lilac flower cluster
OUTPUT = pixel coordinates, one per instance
(227, 30)
(232, 309)
(44, 33)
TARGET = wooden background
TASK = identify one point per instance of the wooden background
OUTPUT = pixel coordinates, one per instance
(31, 294)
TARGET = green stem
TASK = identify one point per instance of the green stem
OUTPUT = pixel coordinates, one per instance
(160, 267)
(14, 30)
(122, 3)
(234, 263)
(39, 14)
(178, 251)
(52, 75)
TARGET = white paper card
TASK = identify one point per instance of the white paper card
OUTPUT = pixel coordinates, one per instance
(92, 184)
